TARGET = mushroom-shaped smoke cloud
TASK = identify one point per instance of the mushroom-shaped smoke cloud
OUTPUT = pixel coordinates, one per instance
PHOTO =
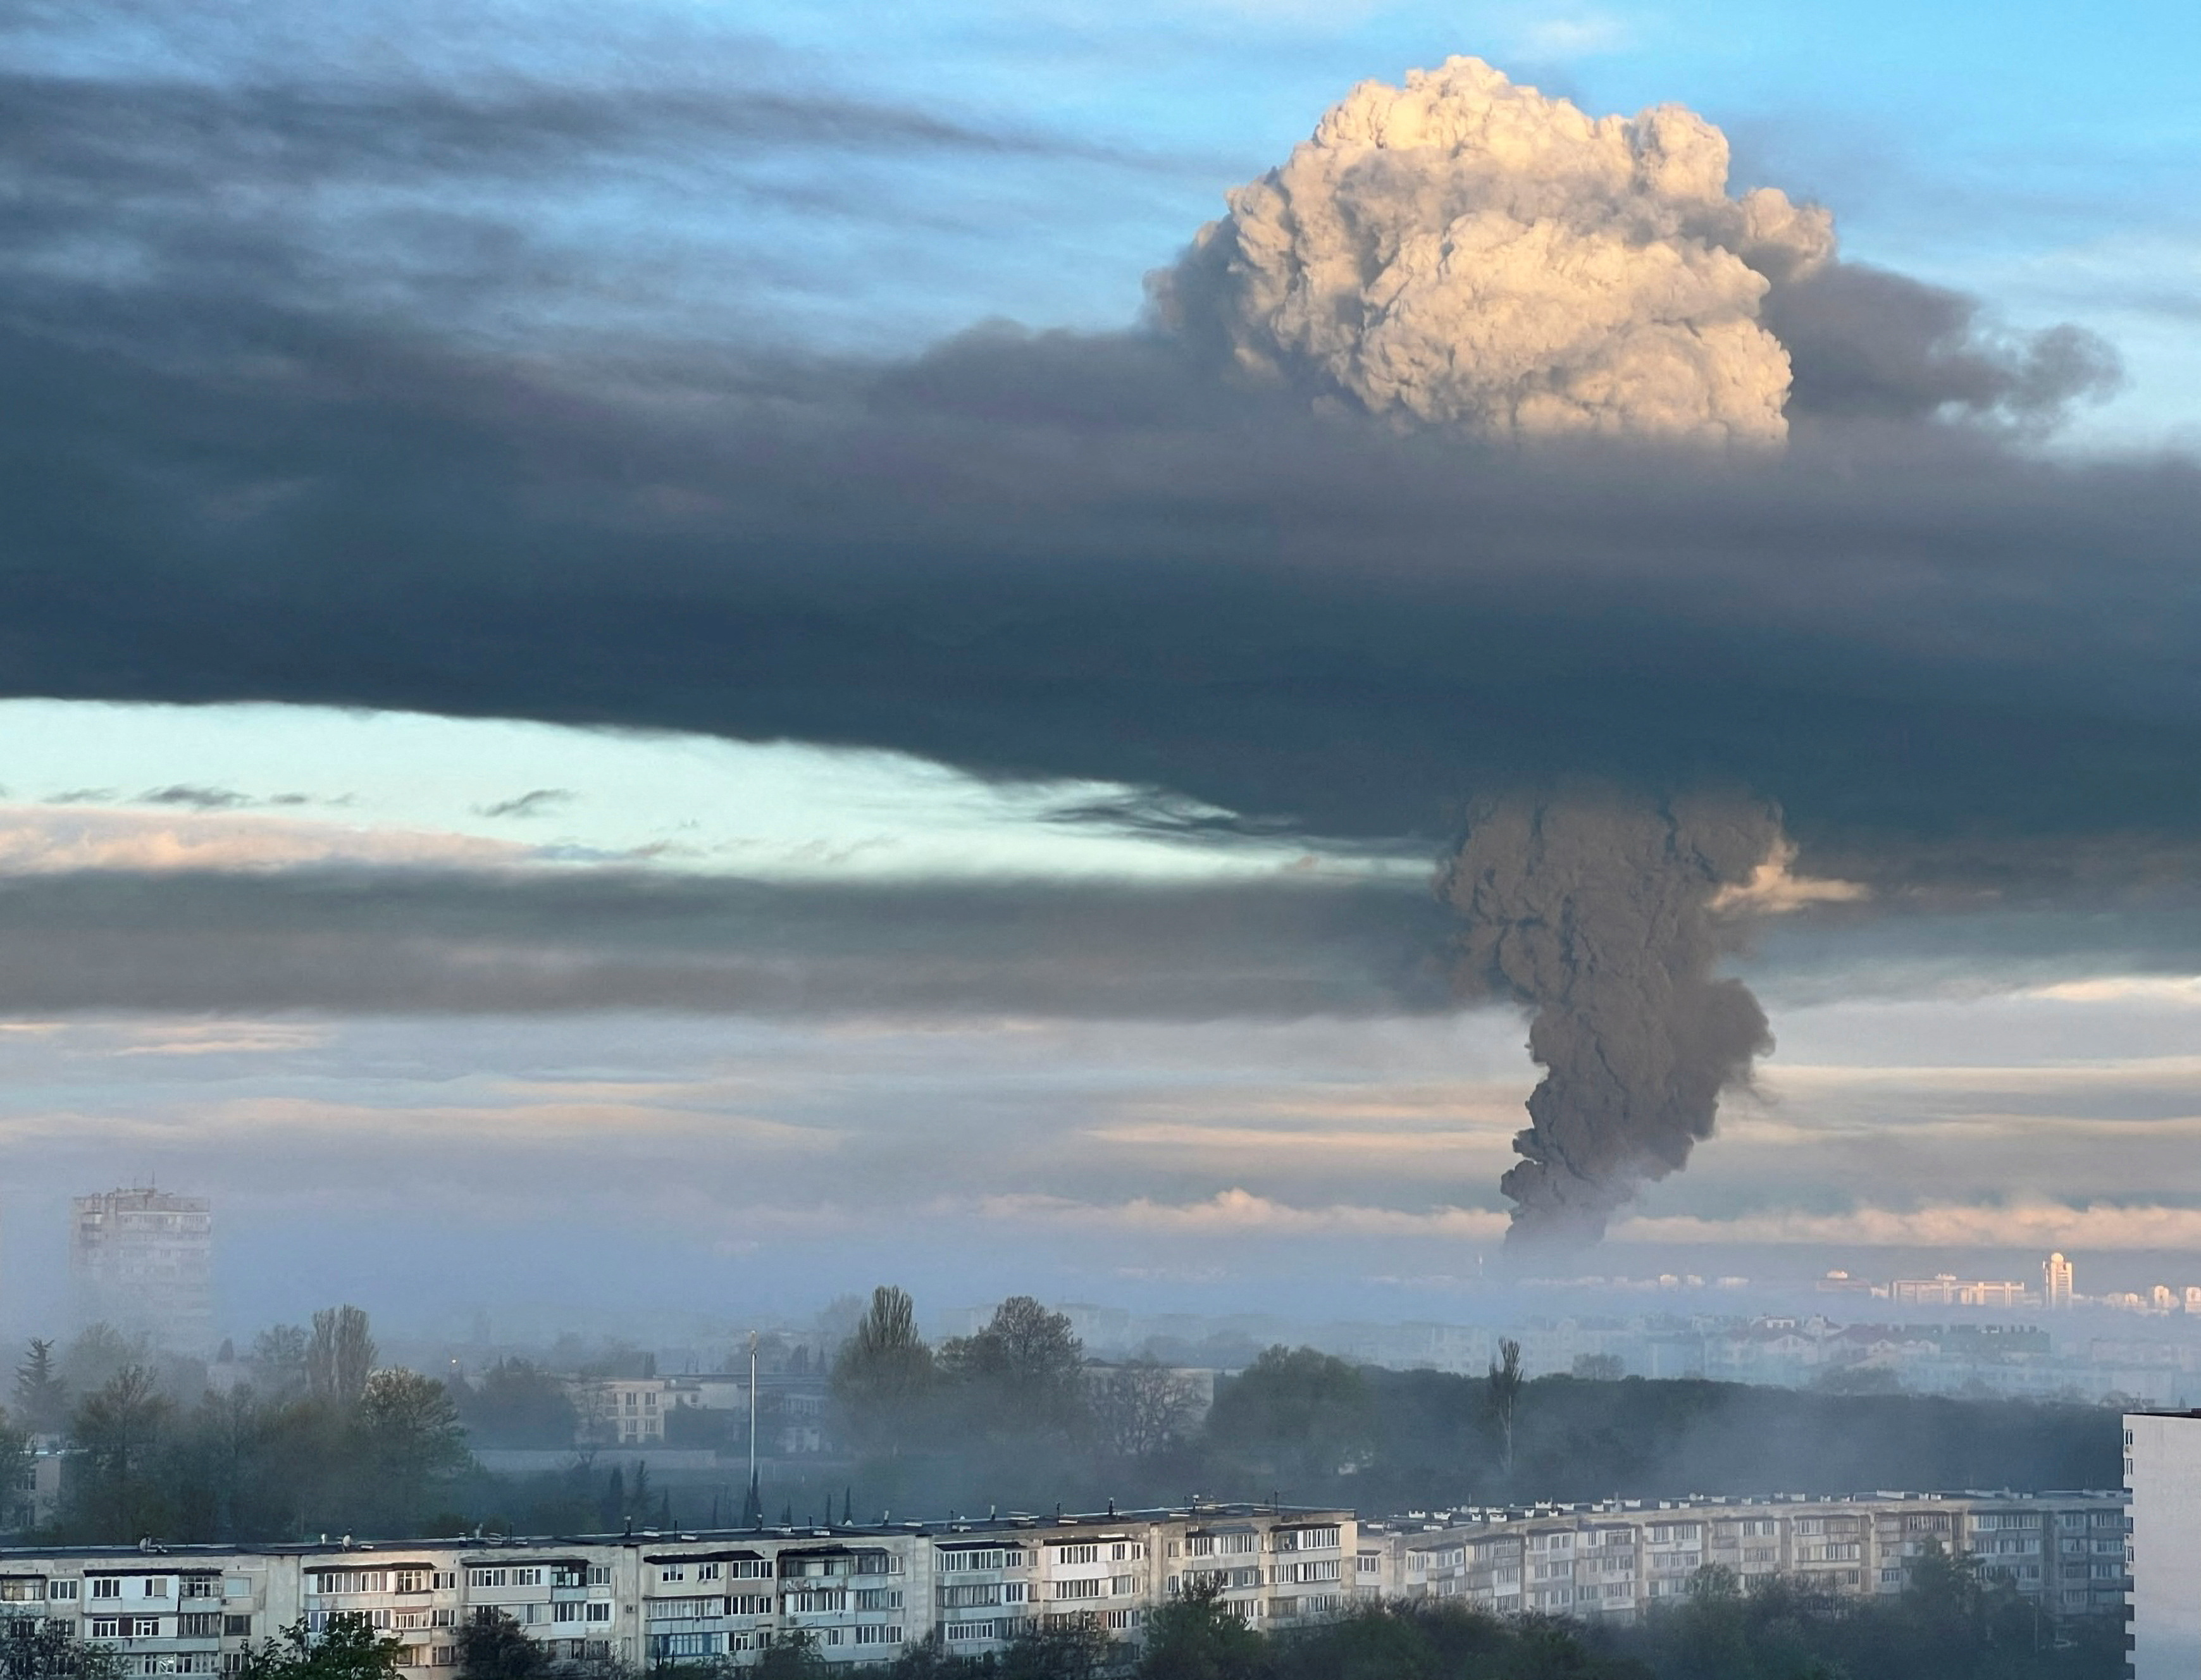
(1462, 251)
(1607, 916)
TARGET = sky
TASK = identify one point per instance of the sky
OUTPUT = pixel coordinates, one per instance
(647, 670)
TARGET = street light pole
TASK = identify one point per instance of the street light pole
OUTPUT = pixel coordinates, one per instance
(752, 1415)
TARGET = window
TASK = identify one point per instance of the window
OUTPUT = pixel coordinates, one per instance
(486, 1577)
(144, 1627)
(60, 1590)
(599, 1609)
(410, 1581)
(961, 1562)
(567, 1610)
(107, 1586)
(878, 1636)
(198, 1627)
(202, 1586)
(878, 1598)
(709, 1572)
(237, 1627)
(106, 1627)
(1076, 1589)
(1081, 1555)
(673, 1571)
(744, 1569)
(446, 1580)
(526, 1578)
(600, 1575)
(153, 1586)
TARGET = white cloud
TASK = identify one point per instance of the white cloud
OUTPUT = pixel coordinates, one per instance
(1240, 1213)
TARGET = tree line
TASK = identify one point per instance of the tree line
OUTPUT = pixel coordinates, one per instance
(1012, 1417)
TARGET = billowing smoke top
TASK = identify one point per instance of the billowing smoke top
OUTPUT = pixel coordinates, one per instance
(1605, 915)
(1461, 251)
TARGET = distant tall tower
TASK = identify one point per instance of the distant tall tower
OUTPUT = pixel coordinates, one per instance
(142, 1260)
(2056, 1276)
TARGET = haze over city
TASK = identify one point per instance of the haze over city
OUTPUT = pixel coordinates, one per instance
(1502, 693)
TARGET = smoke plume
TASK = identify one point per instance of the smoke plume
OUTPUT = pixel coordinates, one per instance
(1604, 915)
(1461, 251)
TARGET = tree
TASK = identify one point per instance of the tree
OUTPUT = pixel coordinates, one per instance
(1198, 1636)
(50, 1650)
(409, 1430)
(1026, 1367)
(883, 1372)
(347, 1648)
(340, 1355)
(41, 1396)
(1298, 1413)
(517, 1404)
(494, 1646)
(17, 1508)
(99, 1354)
(793, 1656)
(1140, 1407)
(117, 1431)
(279, 1358)
(1504, 1396)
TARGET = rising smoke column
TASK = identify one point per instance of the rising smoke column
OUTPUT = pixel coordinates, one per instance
(1604, 914)
(1463, 252)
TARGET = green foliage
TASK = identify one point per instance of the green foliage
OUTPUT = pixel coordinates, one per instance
(41, 1397)
(239, 1466)
(1198, 1637)
(1023, 1374)
(1296, 1415)
(884, 1373)
(518, 1404)
(347, 1648)
(45, 1650)
(494, 1646)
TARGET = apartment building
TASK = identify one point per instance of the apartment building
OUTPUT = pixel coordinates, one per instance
(1617, 1558)
(861, 1594)
(141, 1260)
(2162, 1472)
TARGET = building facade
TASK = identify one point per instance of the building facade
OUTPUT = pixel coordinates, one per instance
(2162, 1473)
(1614, 1559)
(860, 1594)
(143, 1260)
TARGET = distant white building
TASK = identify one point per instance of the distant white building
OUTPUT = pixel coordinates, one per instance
(2055, 1281)
(143, 1260)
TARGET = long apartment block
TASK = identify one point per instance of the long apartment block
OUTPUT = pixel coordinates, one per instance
(861, 1594)
(1613, 1559)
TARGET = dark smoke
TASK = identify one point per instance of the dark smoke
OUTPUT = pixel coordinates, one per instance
(1597, 910)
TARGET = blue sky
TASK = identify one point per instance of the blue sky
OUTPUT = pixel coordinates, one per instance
(2041, 162)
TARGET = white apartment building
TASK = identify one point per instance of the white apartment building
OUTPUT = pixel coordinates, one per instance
(1614, 1559)
(2162, 1473)
(142, 1260)
(861, 1594)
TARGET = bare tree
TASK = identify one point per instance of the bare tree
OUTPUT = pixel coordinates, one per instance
(1504, 1395)
(341, 1356)
(1140, 1407)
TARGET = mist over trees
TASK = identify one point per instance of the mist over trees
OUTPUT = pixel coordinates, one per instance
(314, 1437)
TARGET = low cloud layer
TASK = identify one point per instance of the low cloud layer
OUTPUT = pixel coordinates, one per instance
(397, 942)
